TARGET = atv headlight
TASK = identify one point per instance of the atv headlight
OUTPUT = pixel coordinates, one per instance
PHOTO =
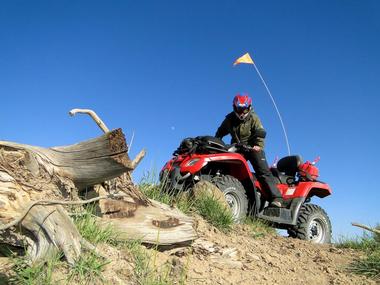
(191, 162)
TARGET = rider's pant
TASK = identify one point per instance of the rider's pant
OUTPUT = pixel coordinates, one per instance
(263, 174)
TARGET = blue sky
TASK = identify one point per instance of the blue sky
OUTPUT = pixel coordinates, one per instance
(163, 69)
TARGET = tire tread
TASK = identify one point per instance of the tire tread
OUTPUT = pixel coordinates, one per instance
(300, 230)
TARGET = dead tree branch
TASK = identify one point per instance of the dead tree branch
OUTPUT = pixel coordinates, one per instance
(376, 231)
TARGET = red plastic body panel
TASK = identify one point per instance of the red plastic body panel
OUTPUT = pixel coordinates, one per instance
(239, 168)
(305, 189)
(238, 165)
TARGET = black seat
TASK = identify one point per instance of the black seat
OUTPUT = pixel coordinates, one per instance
(287, 168)
(281, 177)
(289, 164)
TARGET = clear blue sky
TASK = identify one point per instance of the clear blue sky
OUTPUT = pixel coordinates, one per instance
(164, 70)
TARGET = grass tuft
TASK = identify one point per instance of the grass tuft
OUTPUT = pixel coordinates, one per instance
(88, 269)
(365, 243)
(157, 191)
(214, 212)
(369, 265)
(259, 228)
(40, 273)
(205, 205)
(146, 271)
(90, 230)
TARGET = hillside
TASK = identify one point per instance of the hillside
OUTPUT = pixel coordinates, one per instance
(243, 256)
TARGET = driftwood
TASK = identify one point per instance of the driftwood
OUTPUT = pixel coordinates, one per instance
(375, 231)
(36, 184)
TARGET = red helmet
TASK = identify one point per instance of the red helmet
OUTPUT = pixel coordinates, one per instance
(242, 105)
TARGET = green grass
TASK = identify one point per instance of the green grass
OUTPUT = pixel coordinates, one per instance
(88, 269)
(157, 192)
(214, 212)
(369, 265)
(366, 243)
(5, 250)
(376, 236)
(258, 228)
(40, 273)
(209, 208)
(205, 205)
(90, 230)
(4, 280)
(146, 270)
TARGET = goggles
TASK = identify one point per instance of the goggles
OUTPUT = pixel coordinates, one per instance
(242, 110)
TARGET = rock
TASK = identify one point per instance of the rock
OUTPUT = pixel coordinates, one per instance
(204, 247)
(230, 253)
(225, 263)
(252, 257)
(180, 251)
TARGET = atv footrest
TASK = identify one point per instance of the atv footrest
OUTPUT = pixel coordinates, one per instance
(277, 215)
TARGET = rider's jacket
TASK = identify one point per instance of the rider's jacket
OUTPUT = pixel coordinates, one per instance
(249, 131)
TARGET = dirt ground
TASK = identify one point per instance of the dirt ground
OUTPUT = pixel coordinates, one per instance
(241, 257)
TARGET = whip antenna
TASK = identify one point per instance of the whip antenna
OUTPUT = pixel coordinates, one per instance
(246, 58)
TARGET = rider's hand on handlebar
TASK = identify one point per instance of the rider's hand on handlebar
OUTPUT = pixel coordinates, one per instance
(256, 148)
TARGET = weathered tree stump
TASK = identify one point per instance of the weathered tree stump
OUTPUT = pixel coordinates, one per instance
(36, 183)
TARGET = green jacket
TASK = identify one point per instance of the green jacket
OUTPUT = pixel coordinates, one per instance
(249, 132)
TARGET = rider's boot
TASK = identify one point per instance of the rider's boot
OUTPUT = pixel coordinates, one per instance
(277, 203)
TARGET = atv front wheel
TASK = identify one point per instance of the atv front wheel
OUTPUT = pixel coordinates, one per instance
(235, 195)
(313, 224)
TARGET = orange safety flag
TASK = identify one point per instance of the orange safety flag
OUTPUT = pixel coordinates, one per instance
(244, 59)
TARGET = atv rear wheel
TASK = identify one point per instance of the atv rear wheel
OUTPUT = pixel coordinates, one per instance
(235, 195)
(313, 224)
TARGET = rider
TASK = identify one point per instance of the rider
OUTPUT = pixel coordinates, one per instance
(245, 128)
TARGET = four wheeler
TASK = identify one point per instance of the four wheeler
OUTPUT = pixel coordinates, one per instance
(209, 158)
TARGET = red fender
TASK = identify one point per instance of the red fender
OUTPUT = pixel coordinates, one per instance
(235, 162)
(305, 189)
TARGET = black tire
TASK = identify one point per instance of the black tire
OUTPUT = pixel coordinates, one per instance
(313, 224)
(235, 195)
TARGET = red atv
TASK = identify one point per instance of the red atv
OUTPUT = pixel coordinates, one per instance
(209, 158)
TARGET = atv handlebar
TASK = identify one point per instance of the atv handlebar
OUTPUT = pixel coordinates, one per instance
(239, 147)
(203, 144)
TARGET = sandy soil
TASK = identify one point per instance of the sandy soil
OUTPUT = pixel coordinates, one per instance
(239, 257)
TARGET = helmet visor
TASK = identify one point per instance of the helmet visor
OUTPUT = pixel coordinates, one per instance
(242, 110)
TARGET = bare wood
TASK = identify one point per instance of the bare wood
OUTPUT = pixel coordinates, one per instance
(56, 202)
(138, 158)
(86, 163)
(93, 115)
(376, 231)
(46, 238)
(35, 182)
(157, 224)
(105, 129)
(30, 175)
